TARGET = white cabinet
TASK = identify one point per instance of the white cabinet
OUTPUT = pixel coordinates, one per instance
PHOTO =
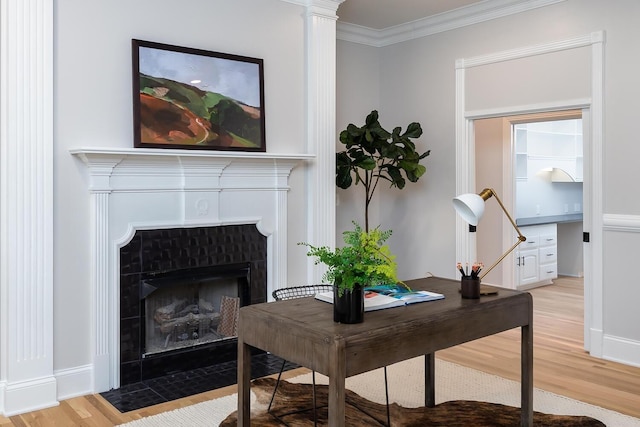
(548, 257)
(537, 257)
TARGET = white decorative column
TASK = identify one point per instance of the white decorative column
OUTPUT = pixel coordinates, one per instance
(594, 328)
(26, 193)
(465, 168)
(101, 272)
(321, 126)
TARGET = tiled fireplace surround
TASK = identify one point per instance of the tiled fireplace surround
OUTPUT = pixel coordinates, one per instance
(178, 257)
(179, 193)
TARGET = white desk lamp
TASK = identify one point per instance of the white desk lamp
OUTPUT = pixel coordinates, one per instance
(471, 208)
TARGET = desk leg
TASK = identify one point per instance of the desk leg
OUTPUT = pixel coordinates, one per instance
(430, 380)
(244, 383)
(337, 375)
(526, 372)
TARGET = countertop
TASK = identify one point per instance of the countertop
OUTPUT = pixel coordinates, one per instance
(576, 217)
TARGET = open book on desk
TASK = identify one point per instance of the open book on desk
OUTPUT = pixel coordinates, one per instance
(387, 296)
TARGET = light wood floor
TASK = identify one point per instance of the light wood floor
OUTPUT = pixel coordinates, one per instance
(560, 366)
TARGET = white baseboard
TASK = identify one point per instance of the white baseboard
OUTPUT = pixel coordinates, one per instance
(621, 350)
(28, 396)
(534, 285)
(579, 275)
(74, 382)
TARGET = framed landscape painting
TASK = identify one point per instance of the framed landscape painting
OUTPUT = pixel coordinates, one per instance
(196, 99)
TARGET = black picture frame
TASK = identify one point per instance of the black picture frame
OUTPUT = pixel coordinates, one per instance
(186, 98)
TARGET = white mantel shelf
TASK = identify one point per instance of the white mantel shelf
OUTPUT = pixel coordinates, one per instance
(128, 169)
(97, 152)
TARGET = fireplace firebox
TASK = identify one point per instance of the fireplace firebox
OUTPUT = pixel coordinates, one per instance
(185, 310)
(180, 292)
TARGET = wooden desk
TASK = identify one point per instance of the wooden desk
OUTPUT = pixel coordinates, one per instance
(303, 331)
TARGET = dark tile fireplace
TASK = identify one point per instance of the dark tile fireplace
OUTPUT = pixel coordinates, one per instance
(180, 290)
(205, 207)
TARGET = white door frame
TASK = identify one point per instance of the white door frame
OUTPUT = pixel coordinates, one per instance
(592, 196)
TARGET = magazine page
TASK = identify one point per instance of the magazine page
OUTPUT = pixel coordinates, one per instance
(419, 296)
(387, 296)
(401, 292)
(372, 300)
(377, 301)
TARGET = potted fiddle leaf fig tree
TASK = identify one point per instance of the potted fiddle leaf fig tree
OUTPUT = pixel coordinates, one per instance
(364, 260)
(372, 153)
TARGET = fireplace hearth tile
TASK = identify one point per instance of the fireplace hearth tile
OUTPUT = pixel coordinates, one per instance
(133, 396)
(182, 384)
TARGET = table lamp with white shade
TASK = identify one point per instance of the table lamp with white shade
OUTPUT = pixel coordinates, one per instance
(470, 207)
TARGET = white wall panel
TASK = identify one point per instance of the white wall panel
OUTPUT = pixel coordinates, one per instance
(555, 76)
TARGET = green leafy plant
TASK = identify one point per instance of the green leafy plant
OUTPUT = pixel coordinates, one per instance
(364, 260)
(373, 153)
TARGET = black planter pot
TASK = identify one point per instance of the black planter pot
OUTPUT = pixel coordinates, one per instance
(348, 307)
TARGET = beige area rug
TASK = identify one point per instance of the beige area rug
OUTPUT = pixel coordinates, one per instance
(406, 385)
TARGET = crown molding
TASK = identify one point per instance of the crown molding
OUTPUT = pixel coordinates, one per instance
(328, 4)
(458, 18)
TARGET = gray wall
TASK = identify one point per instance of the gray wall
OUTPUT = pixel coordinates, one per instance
(93, 108)
(409, 81)
(570, 249)
(417, 82)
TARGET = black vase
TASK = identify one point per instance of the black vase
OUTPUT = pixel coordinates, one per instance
(348, 307)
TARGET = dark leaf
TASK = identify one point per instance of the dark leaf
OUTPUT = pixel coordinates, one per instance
(414, 130)
(414, 174)
(396, 176)
(425, 154)
(366, 163)
(368, 137)
(343, 180)
(371, 118)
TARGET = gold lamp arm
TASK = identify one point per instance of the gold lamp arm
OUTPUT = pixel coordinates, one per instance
(486, 194)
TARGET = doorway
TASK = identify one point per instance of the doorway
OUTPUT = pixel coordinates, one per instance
(515, 149)
(535, 163)
(478, 82)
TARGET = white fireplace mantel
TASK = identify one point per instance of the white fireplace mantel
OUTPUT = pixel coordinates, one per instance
(149, 170)
(134, 189)
(97, 152)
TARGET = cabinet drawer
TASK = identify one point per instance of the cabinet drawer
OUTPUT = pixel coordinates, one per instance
(547, 240)
(532, 242)
(548, 271)
(547, 255)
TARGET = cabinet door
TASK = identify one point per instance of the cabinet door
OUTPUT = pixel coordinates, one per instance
(527, 265)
